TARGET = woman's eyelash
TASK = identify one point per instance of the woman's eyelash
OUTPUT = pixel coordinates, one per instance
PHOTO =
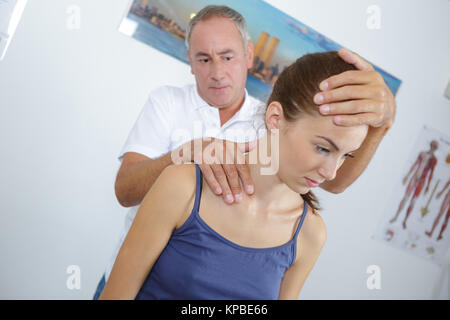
(321, 149)
(349, 155)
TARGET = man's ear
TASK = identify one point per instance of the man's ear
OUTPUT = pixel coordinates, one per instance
(274, 115)
(190, 61)
(250, 54)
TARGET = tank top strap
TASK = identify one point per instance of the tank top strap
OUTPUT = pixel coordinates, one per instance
(198, 188)
(305, 211)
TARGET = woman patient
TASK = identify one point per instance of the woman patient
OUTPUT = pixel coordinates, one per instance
(186, 243)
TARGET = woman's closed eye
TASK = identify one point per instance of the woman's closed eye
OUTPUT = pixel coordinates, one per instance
(349, 155)
(323, 150)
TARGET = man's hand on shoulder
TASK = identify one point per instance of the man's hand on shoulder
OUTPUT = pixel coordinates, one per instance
(222, 163)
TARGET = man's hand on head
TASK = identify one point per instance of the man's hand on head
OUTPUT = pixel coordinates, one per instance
(357, 97)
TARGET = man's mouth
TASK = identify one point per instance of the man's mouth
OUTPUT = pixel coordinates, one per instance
(219, 88)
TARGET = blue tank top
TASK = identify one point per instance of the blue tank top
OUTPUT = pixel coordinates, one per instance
(200, 264)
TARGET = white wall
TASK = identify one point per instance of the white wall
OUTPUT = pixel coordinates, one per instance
(69, 98)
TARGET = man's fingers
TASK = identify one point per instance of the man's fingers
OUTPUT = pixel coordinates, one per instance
(370, 119)
(210, 178)
(225, 166)
(221, 178)
(355, 59)
(351, 77)
(233, 180)
(352, 107)
(346, 93)
(244, 174)
(243, 169)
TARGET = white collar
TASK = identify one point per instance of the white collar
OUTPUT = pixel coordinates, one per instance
(243, 113)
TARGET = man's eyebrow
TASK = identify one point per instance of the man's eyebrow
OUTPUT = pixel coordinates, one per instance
(203, 54)
(334, 144)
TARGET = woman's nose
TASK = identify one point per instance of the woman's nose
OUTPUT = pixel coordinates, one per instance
(329, 169)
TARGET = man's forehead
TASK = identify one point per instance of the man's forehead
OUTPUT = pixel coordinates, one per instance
(218, 21)
(215, 27)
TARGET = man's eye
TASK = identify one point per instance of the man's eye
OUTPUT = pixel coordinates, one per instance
(228, 58)
(348, 155)
(203, 60)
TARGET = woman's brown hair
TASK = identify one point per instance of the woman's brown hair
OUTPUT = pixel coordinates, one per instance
(299, 83)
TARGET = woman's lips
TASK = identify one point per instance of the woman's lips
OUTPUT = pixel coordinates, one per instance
(312, 183)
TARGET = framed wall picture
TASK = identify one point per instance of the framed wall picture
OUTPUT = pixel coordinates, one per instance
(279, 39)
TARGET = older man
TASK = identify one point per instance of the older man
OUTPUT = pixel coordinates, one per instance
(220, 53)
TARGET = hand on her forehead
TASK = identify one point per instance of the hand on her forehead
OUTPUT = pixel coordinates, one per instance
(357, 97)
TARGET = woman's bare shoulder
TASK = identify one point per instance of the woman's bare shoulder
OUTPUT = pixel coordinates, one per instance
(173, 192)
(314, 232)
(181, 175)
(179, 183)
(178, 180)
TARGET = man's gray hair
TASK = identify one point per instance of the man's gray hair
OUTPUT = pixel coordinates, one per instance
(219, 11)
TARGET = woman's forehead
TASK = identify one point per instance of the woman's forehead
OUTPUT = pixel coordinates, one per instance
(323, 126)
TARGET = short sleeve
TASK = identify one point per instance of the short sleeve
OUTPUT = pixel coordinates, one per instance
(150, 135)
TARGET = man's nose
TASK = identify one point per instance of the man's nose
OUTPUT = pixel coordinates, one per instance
(217, 71)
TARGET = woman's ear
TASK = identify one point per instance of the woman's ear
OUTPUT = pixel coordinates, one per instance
(274, 115)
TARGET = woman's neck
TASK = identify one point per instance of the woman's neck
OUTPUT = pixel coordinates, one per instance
(270, 193)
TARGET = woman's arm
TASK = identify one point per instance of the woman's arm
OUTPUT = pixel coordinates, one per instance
(161, 211)
(310, 242)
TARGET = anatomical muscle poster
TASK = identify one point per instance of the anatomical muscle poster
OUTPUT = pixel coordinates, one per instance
(417, 214)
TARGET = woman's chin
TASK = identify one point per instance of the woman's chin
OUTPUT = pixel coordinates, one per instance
(304, 190)
(300, 188)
